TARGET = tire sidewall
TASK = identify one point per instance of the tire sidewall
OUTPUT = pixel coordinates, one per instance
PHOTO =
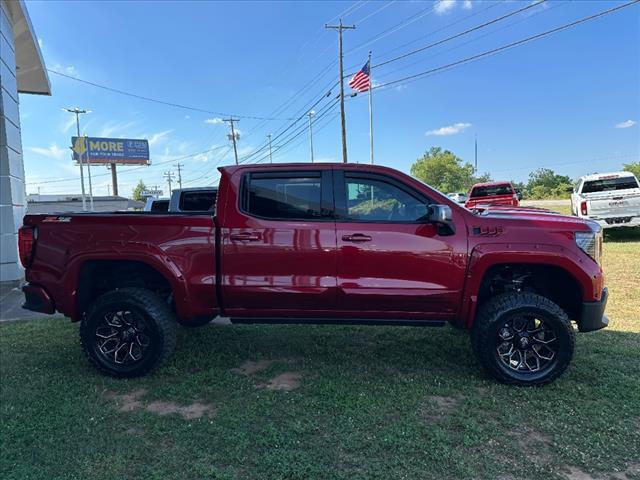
(88, 337)
(562, 355)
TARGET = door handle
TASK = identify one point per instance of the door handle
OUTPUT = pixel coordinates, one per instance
(245, 237)
(356, 237)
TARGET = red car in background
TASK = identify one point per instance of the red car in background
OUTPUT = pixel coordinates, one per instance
(492, 193)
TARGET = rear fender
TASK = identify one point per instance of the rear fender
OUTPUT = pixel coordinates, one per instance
(145, 253)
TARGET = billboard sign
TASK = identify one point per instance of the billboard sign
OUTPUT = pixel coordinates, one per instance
(151, 193)
(123, 151)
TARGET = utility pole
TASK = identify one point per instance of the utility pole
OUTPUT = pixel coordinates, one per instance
(77, 111)
(179, 166)
(340, 28)
(169, 177)
(114, 179)
(233, 136)
(270, 156)
(476, 156)
(310, 115)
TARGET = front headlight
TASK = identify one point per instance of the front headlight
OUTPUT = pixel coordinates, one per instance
(590, 243)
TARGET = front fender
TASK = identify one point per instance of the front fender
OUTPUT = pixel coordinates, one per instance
(484, 256)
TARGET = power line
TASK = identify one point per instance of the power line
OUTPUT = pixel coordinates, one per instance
(155, 100)
(476, 39)
(461, 34)
(508, 46)
(438, 30)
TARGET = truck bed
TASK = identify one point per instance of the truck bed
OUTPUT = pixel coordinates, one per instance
(179, 246)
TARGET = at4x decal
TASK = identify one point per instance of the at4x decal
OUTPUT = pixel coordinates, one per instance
(57, 219)
(488, 231)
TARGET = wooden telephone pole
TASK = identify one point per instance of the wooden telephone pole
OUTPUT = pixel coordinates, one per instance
(233, 136)
(340, 27)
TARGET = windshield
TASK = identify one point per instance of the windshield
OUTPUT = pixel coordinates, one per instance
(491, 190)
(609, 184)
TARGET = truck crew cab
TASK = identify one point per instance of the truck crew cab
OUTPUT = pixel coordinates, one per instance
(321, 243)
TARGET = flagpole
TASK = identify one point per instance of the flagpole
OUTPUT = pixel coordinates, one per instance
(370, 110)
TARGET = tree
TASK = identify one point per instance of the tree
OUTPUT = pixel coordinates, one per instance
(545, 183)
(137, 192)
(443, 170)
(633, 167)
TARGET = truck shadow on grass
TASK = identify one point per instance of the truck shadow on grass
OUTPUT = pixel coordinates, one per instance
(620, 235)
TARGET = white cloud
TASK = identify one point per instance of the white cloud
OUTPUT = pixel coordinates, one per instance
(116, 128)
(53, 151)
(156, 137)
(40, 42)
(449, 130)
(467, 5)
(187, 117)
(68, 123)
(66, 69)
(443, 6)
(626, 124)
(401, 87)
(214, 121)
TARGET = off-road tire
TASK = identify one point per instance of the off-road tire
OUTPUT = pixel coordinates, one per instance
(492, 317)
(158, 318)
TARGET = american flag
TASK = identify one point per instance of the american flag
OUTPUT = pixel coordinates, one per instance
(361, 81)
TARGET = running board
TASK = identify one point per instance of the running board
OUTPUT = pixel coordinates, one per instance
(339, 321)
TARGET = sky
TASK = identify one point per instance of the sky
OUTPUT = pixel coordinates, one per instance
(569, 101)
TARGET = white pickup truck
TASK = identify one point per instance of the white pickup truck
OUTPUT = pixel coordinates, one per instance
(611, 199)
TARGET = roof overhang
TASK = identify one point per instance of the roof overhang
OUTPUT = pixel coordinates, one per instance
(31, 73)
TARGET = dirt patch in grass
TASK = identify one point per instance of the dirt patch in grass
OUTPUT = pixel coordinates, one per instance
(437, 406)
(188, 412)
(574, 473)
(129, 402)
(535, 445)
(286, 381)
(251, 368)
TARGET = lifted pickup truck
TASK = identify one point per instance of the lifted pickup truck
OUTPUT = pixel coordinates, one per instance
(321, 243)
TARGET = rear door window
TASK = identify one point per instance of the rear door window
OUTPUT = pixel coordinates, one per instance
(284, 196)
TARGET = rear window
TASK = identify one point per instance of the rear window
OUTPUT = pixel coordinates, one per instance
(287, 197)
(609, 184)
(197, 201)
(160, 206)
(491, 190)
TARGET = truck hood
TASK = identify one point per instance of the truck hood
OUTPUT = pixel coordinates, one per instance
(526, 216)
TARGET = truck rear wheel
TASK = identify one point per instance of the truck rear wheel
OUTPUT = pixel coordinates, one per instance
(523, 339)
(128, 332)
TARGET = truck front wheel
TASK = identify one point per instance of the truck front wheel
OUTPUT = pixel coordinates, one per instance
(128, 332)
(523, 339)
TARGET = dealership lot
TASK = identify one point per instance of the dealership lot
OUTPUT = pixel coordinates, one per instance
(337, 402)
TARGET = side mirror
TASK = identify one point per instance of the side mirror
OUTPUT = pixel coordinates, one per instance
(519, 195)
(569, 189)
(442, 217)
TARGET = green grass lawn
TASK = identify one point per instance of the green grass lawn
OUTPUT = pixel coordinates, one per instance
(324, 402)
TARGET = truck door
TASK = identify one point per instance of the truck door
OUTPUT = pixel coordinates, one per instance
(279, 245)
(391, 262)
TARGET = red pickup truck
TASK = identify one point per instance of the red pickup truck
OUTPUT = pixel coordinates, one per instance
(321, 243)
(492, 193)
